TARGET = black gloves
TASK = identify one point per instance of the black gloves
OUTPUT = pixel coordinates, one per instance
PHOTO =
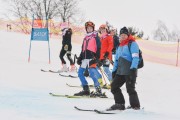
(106, 62)
(99, 63)
(86, 72)
(113, 51)
(93, 61)
(133, 72)
(113, 74)
(79, 60)
(106, 54)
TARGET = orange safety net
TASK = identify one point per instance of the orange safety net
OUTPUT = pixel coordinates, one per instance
(165, 53)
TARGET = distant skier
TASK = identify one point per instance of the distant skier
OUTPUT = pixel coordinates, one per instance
(113, 33)
(106, 50)
(66, 49)
(125, 71)
(87, 60)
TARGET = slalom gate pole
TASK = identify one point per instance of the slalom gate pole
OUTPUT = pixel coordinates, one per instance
(49, 53)
(29, 52)
(30, 40)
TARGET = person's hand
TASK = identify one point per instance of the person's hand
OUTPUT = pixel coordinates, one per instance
(99, 63)
(106, 54)
(86, 72)
(66, 47)
(106, 62)
(79, 60)
(133, 72)
(91, 62)
(113, 74)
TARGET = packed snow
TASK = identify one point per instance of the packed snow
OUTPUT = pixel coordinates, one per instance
(24, 89)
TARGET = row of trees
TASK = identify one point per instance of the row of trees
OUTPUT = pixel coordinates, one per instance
(132, 30)
(162, 33)
(63, 9)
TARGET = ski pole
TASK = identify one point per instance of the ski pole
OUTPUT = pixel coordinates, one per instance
(103, 75)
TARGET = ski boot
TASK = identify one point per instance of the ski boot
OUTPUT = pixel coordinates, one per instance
(73, 68)
(98, 93)
(116, 106)
(106, 86)
(135, 108)
(63, 69)
(84, 92)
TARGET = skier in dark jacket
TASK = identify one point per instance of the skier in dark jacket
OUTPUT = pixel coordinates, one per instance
(125, 71)
(66, 49)
(113, 33)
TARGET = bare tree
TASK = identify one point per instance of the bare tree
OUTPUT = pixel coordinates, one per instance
(162, 32)
(140, 34)
(20, 11)
(49, 9)
(67, 9)
(64, 10)
(175, 34)
(133, 30)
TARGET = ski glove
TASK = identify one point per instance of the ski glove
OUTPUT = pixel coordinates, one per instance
(66, 47)
(79, 60)
(133, 72)
(106, 62)
(106, 54)
(99, 63)
(86, 72)
(93, 61)
(113, 74)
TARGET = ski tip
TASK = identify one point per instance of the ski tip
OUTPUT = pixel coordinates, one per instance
(77, 108)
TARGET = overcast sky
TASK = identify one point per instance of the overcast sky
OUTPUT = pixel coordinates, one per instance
(142, 14)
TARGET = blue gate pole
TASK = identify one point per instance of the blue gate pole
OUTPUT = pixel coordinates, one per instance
(47, 25)
(30, 40)
(49, 53)
(29, 52)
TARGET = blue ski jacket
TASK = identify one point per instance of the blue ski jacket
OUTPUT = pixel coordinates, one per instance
(126, 58)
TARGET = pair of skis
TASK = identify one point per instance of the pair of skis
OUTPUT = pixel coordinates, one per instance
(72, 96)
(52, 71)
(91, 86)
(108, 111)
(94, 110)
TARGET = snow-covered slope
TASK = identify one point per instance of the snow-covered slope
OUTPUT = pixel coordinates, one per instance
(24, 88)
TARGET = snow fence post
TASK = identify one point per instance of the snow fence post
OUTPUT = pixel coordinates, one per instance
(177, 53)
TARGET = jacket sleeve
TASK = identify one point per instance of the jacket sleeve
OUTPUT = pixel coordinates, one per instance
(116, 41)
(116, 57)
(134, 48)
(98, 43)
(110, 44)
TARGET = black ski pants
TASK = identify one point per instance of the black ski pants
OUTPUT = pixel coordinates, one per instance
(118, 82)
(61, 56)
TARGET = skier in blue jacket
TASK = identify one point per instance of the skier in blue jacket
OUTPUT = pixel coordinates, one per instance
(125, 71)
